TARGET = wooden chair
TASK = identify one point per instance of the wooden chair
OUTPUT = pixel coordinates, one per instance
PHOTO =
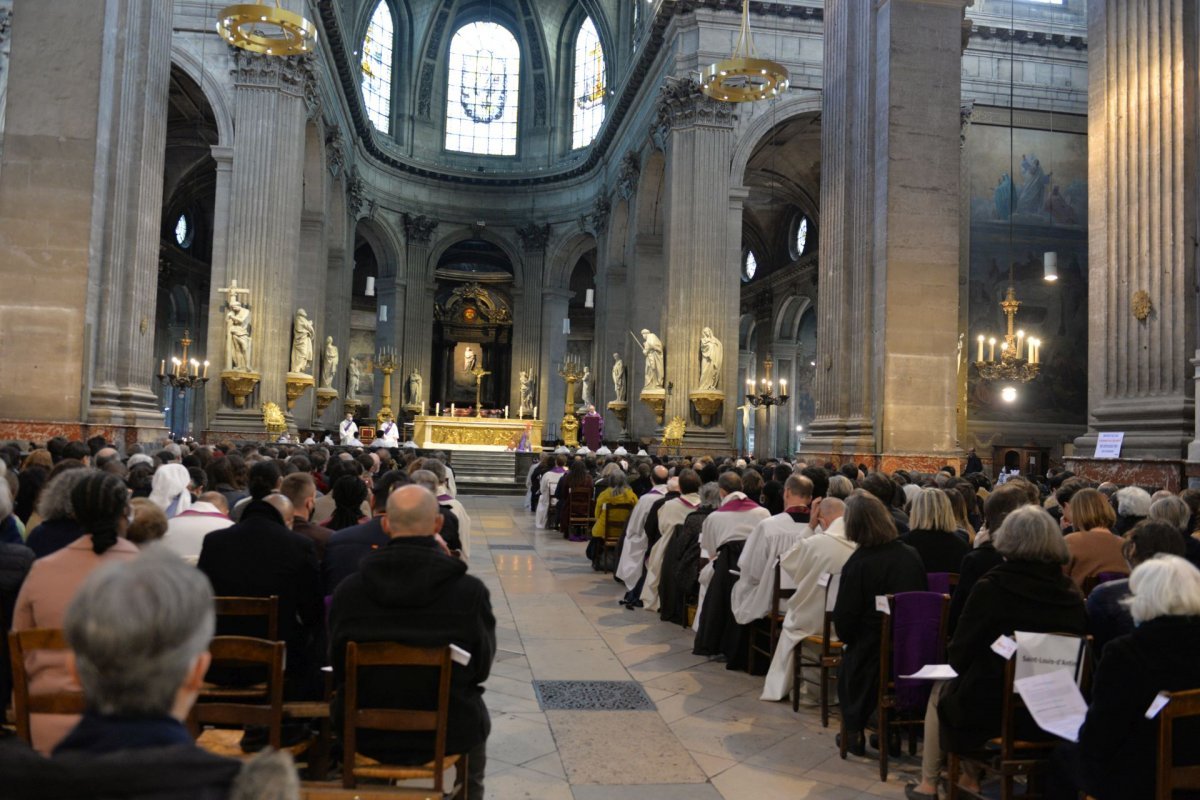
(942, 582)
(381, 793)
(1183, 705)
(579, 513)
(779, 596)
(616, 517)
(20, 644)
(235, 706)
(391, 654)
(894, 714)
(264, 608)
(828, 657)
(1010, 756)
(1092, 581)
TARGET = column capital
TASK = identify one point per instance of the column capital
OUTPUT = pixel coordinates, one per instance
(418, 228)
(628, 174)
(681, 104)
(534, 236)
(288, 74)
(596, 222)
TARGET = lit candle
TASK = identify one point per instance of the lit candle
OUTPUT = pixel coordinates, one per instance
(782, 386)
(162, 367)
(195, 368)
(535, 408)
(1020, 342)
(1003, 349)
(422, 408)
(992, 349)
(506, 412)
(980, 348)
(205, 375)
(452, 409)
(438, 411)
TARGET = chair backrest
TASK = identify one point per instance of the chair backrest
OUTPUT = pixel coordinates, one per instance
(393, 654)
(580, 500)
(782, 591)
(1014, 718)
(1182, 705)
(942, 582)
(238, 705)
(913, 635)
(616, 517)
(21, 644)
(266, 608)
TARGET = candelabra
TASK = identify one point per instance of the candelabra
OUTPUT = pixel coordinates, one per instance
(1011, 367)
(571, 371)
(385, 362)
(767, 397)
(185, 372)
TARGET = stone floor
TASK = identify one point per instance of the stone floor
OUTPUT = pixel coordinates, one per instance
(710, 737)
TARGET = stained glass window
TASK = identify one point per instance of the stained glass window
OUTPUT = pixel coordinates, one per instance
(749, 266)
(183, 232)
(483, 88)
(588, 106)
(801, 236)
(377, 68)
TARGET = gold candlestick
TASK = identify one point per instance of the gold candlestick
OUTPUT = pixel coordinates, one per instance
(385, 362)
(479, 372)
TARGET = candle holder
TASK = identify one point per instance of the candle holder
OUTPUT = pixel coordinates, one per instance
(385, 362)
(1011, 367)
(766, 396)
(570, 371)
(185, 372)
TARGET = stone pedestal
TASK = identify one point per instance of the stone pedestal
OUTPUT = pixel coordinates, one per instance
(707, 405)
(324, 398)
(239, 384)
(620, 410)
(656, 400)
(297, 384)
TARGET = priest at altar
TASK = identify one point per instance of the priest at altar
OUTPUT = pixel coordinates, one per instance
(388, 434)
(348, 432)
(593, 429)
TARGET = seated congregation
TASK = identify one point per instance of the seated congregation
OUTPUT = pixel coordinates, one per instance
(836, 583)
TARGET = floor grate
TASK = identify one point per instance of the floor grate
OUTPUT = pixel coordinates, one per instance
(592, 696)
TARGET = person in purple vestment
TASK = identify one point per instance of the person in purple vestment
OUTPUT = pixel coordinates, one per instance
(593, 428)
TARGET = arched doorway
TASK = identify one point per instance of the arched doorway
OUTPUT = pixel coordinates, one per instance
(581, 311)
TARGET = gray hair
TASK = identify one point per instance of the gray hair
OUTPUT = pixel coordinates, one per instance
(615, 478)
(426, 478)
(1133, 501)
(840, 487)
(1172, 510)
(6, 501)
(1166, 585)
(136, 627)
(1030, 534)
(55, 499)
(710, 494)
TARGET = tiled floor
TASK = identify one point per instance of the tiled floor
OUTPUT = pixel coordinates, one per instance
(710, 738)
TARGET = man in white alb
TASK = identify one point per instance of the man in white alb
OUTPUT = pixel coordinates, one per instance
(733, 521)
(670, 515)
(771, 538)
(348, 431)
(389, 434)
(633, 553)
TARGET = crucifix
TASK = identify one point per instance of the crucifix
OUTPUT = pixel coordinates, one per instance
(232, 291)
(478, 372)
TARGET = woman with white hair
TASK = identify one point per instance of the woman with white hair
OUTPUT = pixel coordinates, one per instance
(170, 489)
(1118, 747)
(1133, 506)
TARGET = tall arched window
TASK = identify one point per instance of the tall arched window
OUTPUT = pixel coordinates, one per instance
(377, 67)
(587, 105)
(483, 90)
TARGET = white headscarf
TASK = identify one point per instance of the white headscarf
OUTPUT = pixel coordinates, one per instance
(169, 489)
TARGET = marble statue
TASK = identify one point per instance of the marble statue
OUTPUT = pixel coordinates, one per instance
(586, 386)
(652, 349)
(354, 379)
(415, 389)
(618, 375)
(469, 360)
(526, 379)
(710, 361)
(329, 368)
(237, 336)
(303, 334)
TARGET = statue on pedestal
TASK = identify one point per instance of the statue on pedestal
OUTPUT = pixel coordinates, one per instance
(469, 360)
(652, 349)
(303, 334)
(329, 368)
(526, 378)
(237, 336)
(353, 379)
(710, 361)
(618, 376)
(414, 389)
(586, 387)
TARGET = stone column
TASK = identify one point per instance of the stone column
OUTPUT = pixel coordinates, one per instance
(538, 340)
(702, 284)
(214, 349)
(265, 204)
(552, 390)
(1142, 228)
(129, 193)
(418, 301)
(647, 310)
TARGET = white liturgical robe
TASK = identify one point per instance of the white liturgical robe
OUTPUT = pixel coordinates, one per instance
(633, 554)
(670, 514)
(550, 479)
(445, 498)
(389, 434)
(734, 520)
(824, 553)
(348, 432)
(771, 538)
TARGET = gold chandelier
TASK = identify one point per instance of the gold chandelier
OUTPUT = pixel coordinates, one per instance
(272, 31)
(1020, 356)
(744, 77)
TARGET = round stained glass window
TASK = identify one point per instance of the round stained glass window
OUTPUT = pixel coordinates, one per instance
(801, 236)
(749, 266)
(183, 232)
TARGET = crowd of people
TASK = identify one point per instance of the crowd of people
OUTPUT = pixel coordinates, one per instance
(126, 551)
(709, 543)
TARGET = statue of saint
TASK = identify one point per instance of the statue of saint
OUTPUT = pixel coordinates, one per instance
(414, 388)
(526, 379)
(710, 361)
(618, 375)
(354, 379)
(586, 386)
(237, 336)
(469, 360)
(329, 368)
(652, 349)
(303, 334)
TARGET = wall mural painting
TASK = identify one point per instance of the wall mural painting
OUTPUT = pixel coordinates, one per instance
(1021, 209)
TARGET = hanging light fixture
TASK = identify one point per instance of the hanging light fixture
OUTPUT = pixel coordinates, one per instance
(270, 30)
(744, 77)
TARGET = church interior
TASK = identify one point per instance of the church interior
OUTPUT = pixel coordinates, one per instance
(938, 244)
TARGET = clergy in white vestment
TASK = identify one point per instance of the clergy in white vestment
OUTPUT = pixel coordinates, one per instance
(445, 497)
(670, 515)
(348, 431)
(733, 521)
(633, 553)
(752, 595)
(389, 434)
(550, 480)
(814, 565)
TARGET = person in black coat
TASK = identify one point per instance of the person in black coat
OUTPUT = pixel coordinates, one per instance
(932, 534)
(346, 548)
(259, 557)
(1116, 755)
(881, 565)
(1000, 503)
(15, 562)
(413, 592)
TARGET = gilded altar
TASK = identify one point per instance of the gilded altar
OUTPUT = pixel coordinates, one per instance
(475, 433)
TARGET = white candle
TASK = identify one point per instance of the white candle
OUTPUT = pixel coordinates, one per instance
(205, 375)
(452, 409)
(535, 416)
(782, 386)
(422, 408)
(438, 412)
(162, 367)
(992, 349)
(980, 348)
(506, 412)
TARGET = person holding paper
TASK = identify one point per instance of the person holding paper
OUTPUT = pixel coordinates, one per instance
(1027, 592)
(413, 592)
(1118, 746)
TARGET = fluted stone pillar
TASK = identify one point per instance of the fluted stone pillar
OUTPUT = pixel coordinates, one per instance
(1142, 227)
(130, 201)
(417, 324)
(886, 366)
(648, 281)
(310, 295)
(552, 390)
(527, 324)
(612, 320)
(265, 201)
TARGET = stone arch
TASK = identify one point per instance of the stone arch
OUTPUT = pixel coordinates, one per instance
(383, 241)
(566, 256)
(214, 92)
(747, 339)
(761, 126)
(788, 318)
(618, 232)
(651, 194)
(315, 174)
(458, 233)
